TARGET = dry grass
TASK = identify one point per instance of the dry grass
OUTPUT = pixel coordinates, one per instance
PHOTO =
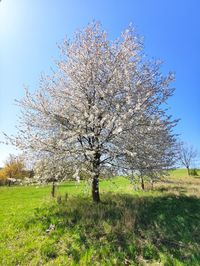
(186, 185)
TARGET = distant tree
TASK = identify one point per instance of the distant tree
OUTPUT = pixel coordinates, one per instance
(2, 176)
(187, 155)
(48, 170)
(14, 169)
(100, 91)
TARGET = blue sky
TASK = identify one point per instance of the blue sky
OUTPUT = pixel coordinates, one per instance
(30, 31)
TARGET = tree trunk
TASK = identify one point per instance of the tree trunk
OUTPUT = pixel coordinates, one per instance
(142, 183)
(188, 170)
(95, 189)
(95, 181)
(152, 184)
(53, 189)
(9, 181)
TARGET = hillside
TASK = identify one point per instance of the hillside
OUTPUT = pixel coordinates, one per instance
(159, 227)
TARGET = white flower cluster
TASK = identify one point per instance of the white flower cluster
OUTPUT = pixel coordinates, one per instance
(103, 106)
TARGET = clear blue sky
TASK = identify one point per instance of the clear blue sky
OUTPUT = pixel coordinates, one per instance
(31, 29)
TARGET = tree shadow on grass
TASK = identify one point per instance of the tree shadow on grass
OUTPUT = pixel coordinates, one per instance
(130, 228)
(171, 224)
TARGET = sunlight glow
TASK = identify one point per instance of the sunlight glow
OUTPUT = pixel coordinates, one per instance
(10, 18)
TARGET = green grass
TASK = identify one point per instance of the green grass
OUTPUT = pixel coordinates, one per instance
(159, 227)
(181, 173)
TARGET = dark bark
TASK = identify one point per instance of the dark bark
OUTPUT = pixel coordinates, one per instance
(152, 183)
(95, 181)
(188, 170)
(95, 189)
(53, 189)
(142, 183)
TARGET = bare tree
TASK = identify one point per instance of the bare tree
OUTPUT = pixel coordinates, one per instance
(187, 154)
(100, 91)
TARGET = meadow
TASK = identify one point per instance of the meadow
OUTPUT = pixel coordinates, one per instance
(151, 227)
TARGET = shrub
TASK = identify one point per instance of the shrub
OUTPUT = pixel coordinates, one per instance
(194, 172)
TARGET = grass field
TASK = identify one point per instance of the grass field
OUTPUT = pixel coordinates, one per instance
(159, 227)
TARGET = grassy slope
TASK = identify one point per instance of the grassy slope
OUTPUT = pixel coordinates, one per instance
(159, 227)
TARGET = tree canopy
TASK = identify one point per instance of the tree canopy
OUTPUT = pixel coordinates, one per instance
(102, 93)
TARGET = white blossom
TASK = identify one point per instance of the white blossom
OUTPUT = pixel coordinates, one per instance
(102, 92)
